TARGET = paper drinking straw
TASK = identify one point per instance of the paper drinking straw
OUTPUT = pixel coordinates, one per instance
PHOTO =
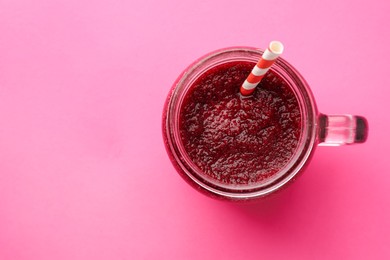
(269, 56)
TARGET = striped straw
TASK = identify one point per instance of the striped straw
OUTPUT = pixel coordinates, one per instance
(269, 56)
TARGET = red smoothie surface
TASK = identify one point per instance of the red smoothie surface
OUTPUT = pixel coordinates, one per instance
(235, 139)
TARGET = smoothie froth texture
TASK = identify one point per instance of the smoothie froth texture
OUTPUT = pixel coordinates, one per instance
(238, 140)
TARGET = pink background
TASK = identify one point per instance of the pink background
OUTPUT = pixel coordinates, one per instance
(83, 170)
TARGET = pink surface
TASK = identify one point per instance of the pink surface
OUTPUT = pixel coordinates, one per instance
(83, 170)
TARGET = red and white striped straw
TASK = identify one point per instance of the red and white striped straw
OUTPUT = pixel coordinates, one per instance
(269, 56)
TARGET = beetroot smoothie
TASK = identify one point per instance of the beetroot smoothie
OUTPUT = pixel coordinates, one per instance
(238, 140)
(244, 148)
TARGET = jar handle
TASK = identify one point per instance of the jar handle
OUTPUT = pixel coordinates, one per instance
(335, 130)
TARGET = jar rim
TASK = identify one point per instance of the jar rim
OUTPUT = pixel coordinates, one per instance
(303, 151)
